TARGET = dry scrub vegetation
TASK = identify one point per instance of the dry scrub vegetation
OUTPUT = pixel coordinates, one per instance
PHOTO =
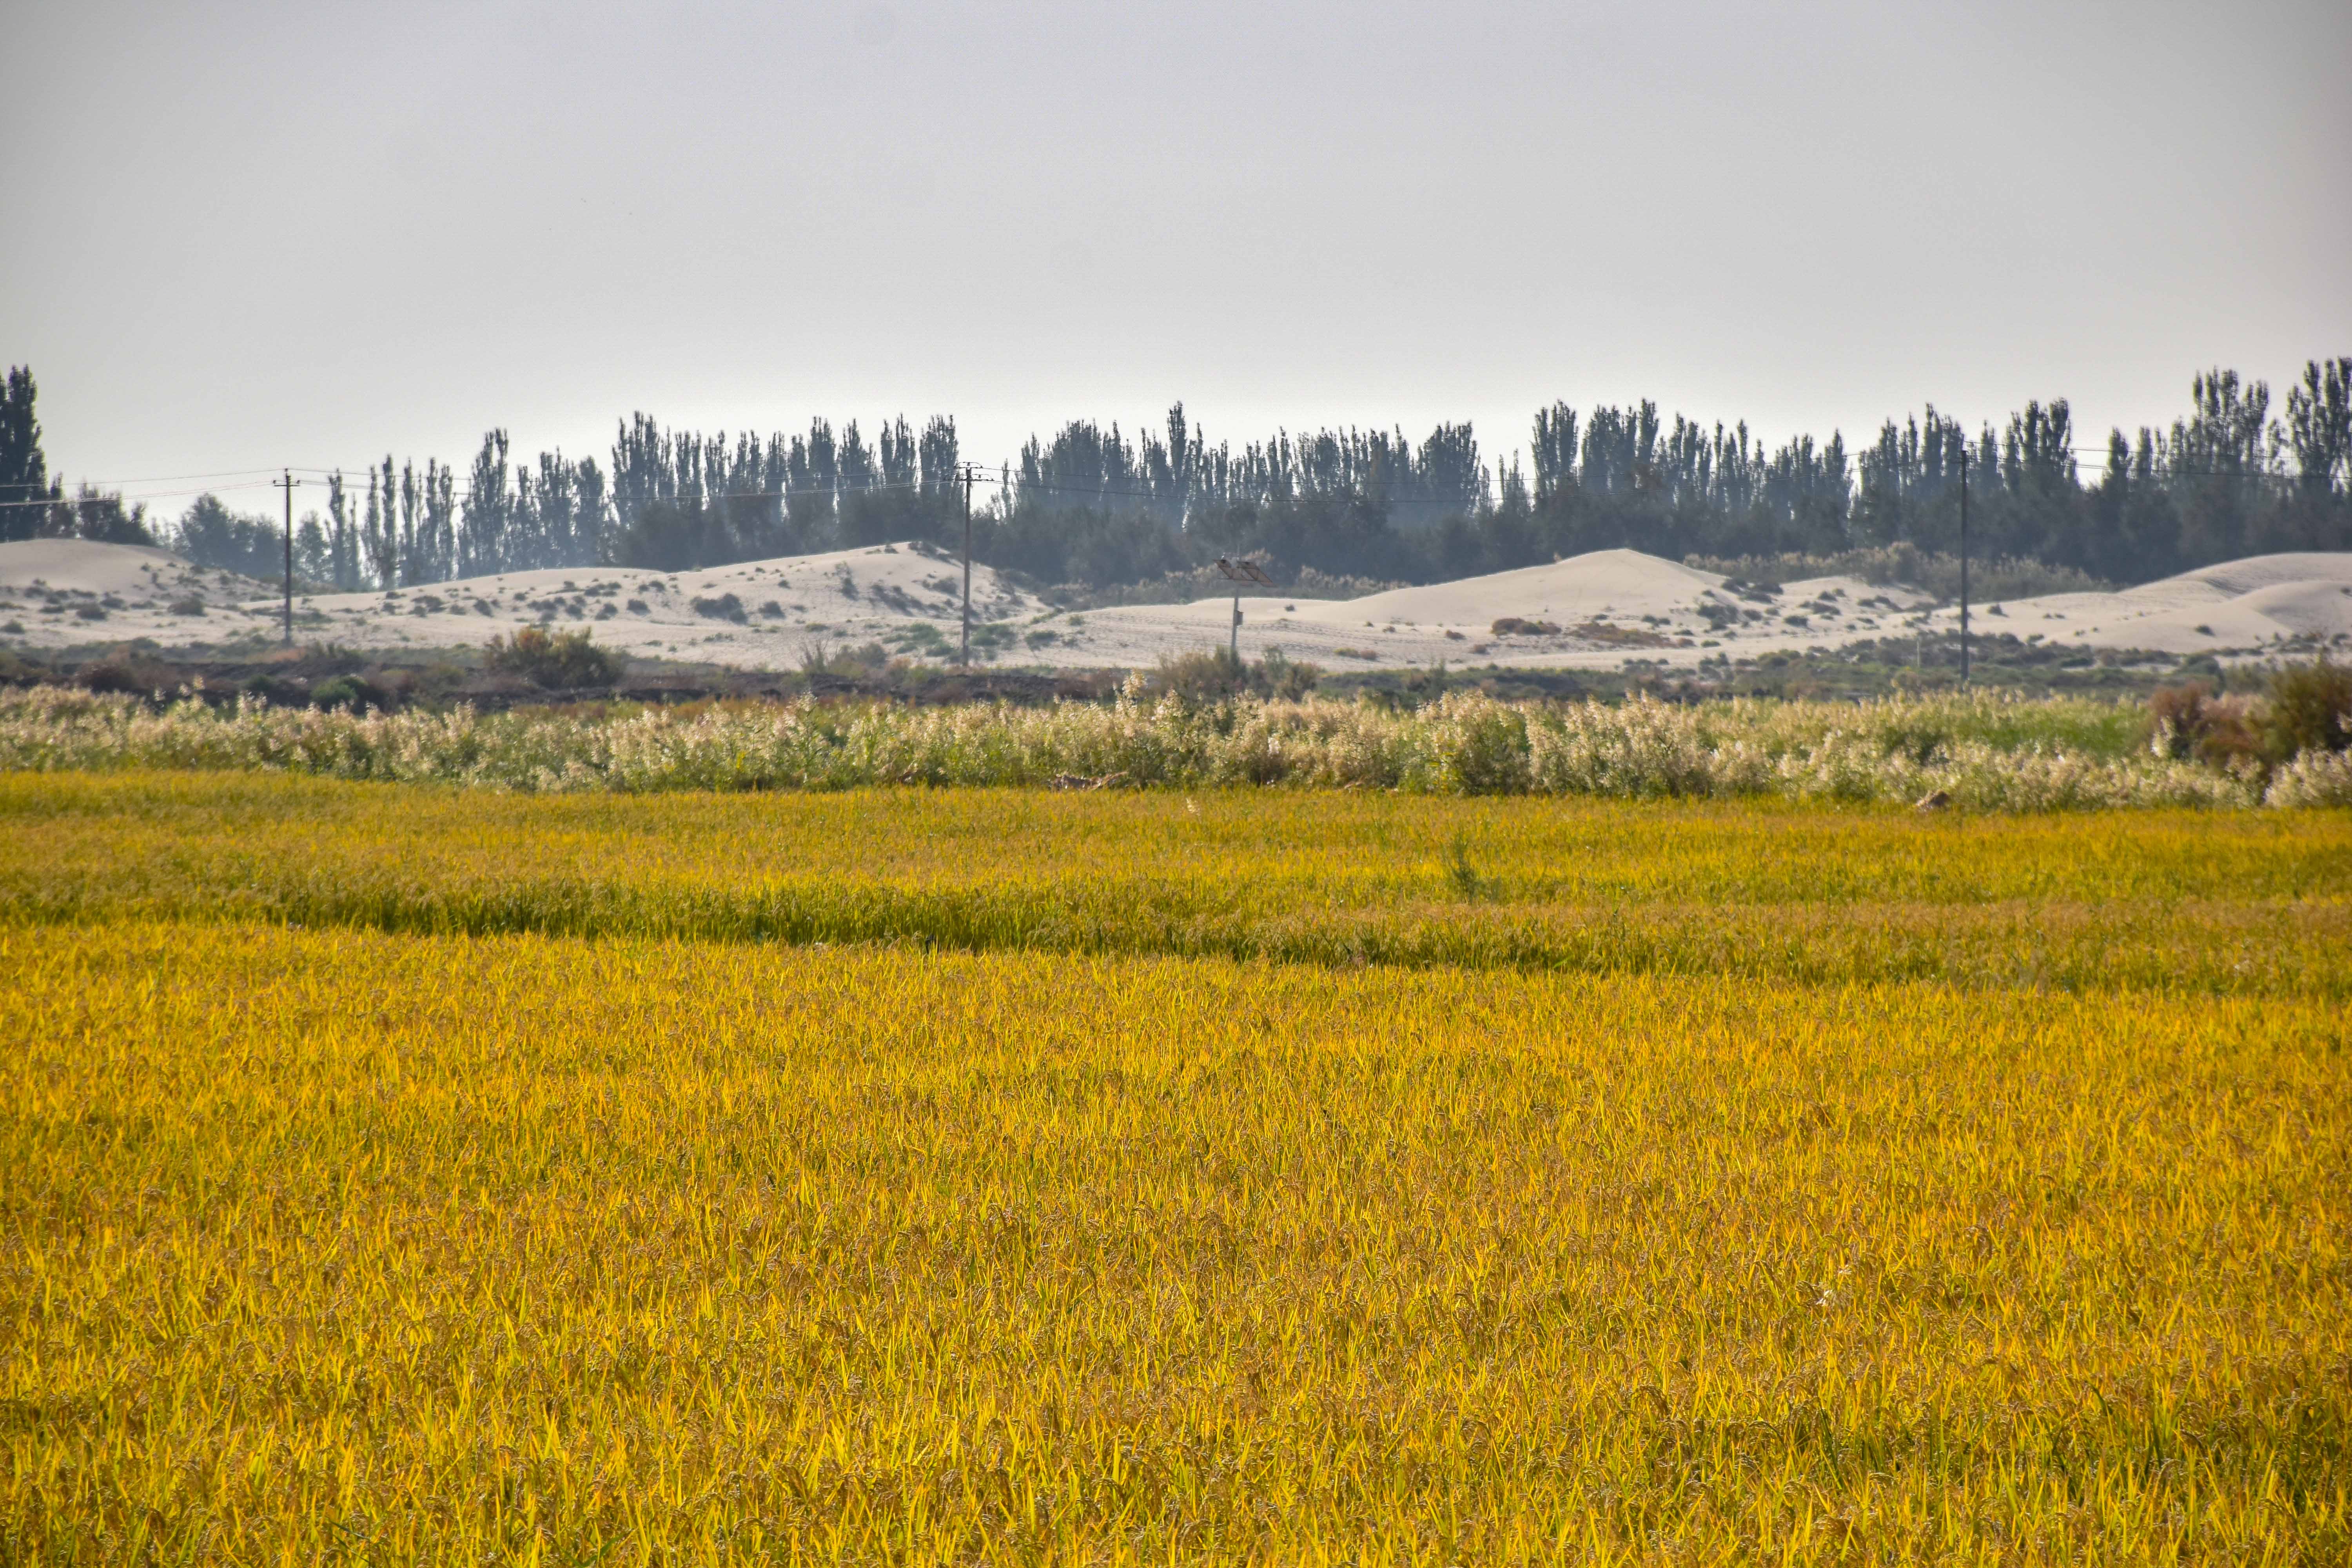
(397, 1174)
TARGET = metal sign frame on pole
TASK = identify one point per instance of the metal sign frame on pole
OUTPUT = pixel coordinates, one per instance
(1240, 572)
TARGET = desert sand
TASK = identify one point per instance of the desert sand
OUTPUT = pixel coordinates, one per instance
(1597, 610)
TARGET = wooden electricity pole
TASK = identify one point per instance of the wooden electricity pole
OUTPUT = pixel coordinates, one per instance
(964, 657)
(1964, 563)
(286, 483)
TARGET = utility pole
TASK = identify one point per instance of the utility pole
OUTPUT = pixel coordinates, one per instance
(286, 483)
(1241, 572)
(1964, 563)
(964, 658)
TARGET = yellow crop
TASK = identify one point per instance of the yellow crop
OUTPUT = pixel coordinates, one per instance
(1872, 1187)
(2184, 898)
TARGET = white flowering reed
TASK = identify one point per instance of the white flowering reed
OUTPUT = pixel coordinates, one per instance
(1985, 750)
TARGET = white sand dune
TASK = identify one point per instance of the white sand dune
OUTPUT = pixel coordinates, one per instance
(2242, 608)
(1598, 609)
(1592, 611)
(753, 614)
(55, 593)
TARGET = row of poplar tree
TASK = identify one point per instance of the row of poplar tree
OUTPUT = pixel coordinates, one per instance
(2236, 475)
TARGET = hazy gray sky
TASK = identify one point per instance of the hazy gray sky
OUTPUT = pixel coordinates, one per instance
(265, 233)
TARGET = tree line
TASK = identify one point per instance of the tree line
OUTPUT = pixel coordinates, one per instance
(1097, 507)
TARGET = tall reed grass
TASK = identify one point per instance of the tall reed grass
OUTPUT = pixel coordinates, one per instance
(1983, 750)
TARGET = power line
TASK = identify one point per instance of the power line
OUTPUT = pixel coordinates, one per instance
(980, 476)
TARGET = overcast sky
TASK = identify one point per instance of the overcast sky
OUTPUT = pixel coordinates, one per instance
(248, 235)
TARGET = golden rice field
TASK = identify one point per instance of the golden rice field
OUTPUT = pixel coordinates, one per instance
(398, 1175)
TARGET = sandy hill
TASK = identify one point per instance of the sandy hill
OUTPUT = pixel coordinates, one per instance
(59, 592)
(1591, 610)
(1605, 581)
(78, 567)
(2262, 604)
(754, 613)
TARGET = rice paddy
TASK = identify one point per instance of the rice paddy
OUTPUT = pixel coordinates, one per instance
(399, 1173)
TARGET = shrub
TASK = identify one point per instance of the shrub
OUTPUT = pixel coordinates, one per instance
(1513, 627)
(2192, 722)
(1285, 679)
(2310, 711)
(1609, 636)
(277, 691)
(556, 660)
(128, 672)
(725, 607)
(1204, 675)
(348, 692)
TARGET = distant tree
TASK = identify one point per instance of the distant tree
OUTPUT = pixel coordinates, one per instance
(440, 529)
(379, 534)
(2221, 457)
(210, 534)
(811, 477)
(2319, 427)
(413, 565)
(343, 547)
(313, 550)
(2317, 514)
(1093, 504)
(25, 480)
(101, 517)
(488, 508)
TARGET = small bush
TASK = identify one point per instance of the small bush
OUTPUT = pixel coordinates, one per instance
(1609, 636)
(2192, 722)
(1513, 627)
(348, 692)
(2310, 711)
(1285, 679)
(130, 673)
(1204, 675)
(725, 607)
(277, 691)
(926, 640)
(1215, 675)
(557, 660)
